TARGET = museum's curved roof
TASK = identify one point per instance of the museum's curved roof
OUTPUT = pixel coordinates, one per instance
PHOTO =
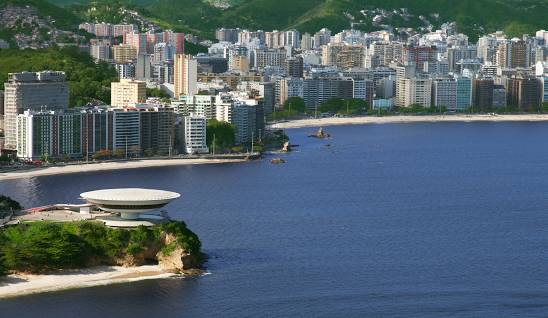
(130, 194)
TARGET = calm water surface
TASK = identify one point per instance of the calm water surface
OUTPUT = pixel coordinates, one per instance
(403, 220)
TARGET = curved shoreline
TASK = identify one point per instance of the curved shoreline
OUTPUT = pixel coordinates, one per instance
(26, 284)
(106, 166)
(338, 121)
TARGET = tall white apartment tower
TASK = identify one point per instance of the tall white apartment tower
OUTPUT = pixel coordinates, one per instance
(195, 134)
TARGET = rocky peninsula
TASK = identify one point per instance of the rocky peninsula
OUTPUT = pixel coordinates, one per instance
(44, 256)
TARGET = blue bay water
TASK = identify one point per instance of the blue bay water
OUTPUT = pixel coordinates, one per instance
(402, 220)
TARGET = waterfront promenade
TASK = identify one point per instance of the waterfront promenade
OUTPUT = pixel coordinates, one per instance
(118, 165)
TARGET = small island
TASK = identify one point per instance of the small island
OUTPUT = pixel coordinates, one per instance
(53, 248)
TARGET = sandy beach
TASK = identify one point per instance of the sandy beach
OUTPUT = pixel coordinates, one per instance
(335, 121)
(26, 284)
(105, 166)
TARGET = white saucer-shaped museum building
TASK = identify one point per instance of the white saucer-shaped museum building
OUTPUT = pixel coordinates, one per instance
(129, 202)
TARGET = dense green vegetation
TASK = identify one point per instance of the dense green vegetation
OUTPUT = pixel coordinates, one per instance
(222, 132)
(194, 49)
(89, 82)
(199, 17)
(158, 93)
(44, 246)
(293, 107)
(8, 204)
(343, 106)
(295, 104)
(104, 11)
(64, 19)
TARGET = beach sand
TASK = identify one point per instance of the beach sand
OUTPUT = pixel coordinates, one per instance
(105, 166)
(335, 121)
(26, 284)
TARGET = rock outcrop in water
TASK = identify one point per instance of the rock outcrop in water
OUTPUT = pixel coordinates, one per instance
(320, 134)
(277, 161)
(286, 147)
(168, 254)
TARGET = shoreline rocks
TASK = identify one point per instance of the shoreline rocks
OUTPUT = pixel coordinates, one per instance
(320, 134)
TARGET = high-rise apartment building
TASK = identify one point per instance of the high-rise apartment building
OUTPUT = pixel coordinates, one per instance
(127, 92)
(292, 38)
(464, 92)
(124, 53)
(49, 134)
(269, 57)
(267, 90)
(364, 89)
(100, 51)
(107, 29)
(289, 87)
(199, 105)
(32, 91)
(319, 90)
(145, 42)
(483, 93)
(524, 93)
(275, 39)
(499, 96)
(343, 56)
(321, 38)
(195, 134)
(444, 93)
(185, 75)
(126, 132)
(513, 54)
(157, 126)
(239, 64)
(97, 128)
(244, 117)
(460, 53)
(414, 91)
(126, 70)
(307, 42)
(294, 66)
(143, 70)
(417, 55)
(227, 35)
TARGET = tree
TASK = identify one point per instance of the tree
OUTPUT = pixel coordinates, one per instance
(119, 153)
(8, 204)
(102, 154)
(42, 246)
(343, 106)
(156, 92)
(295, 104)
(224, 134)
(89, 82)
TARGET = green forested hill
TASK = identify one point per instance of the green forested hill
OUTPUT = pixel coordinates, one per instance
(64, 18)
(513, 16)
(88, 81)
